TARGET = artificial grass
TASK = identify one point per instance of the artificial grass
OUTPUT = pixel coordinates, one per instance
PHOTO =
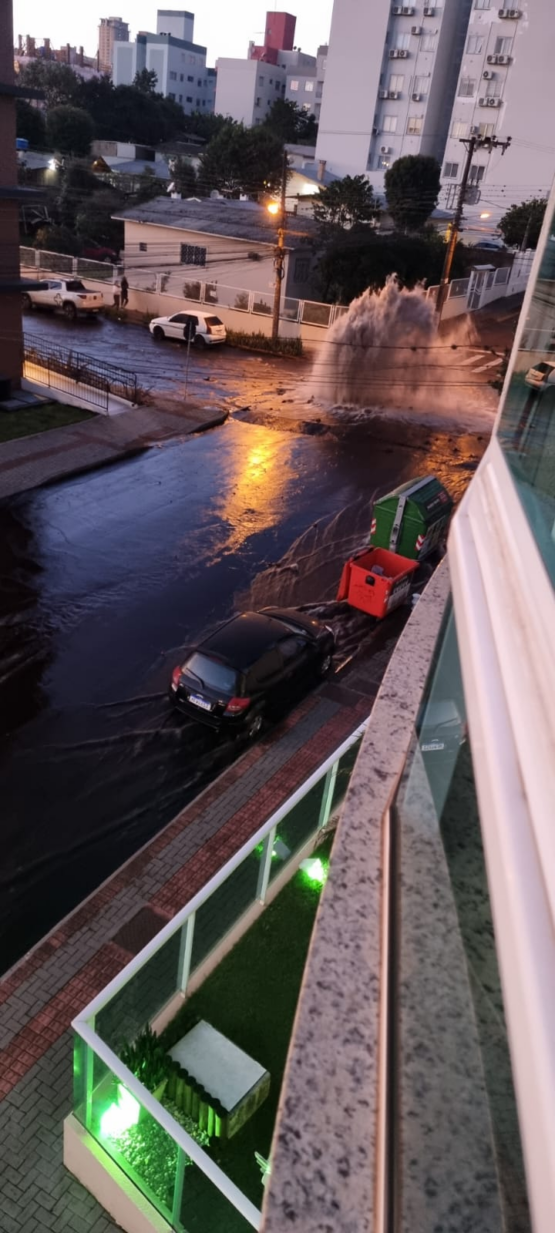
(252, 998)
(30, 420)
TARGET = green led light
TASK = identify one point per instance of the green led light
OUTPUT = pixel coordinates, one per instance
(120, 1116)
(315, 871)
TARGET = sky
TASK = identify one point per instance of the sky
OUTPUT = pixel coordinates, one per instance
(223, 27)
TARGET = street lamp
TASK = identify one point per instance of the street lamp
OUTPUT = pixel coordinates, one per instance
(277, 209)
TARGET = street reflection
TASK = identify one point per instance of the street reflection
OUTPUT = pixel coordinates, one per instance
(257, 495)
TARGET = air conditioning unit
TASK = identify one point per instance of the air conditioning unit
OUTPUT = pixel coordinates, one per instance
(488, 76)
(393, 94)
(429, 12)
(396, 10)
(474, 130)
(408, 11)
(482, 102)
(512, 13)
(383, 93)
(375, 132)
(398, 53)
(385, 149)
(417, 98)
(504, 60)
(493, 101)
(492, 59)
(416, 30)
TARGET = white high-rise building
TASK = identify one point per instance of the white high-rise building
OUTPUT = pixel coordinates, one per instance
(111, 30)
(391, 76)
(179, 63)
(504, 90)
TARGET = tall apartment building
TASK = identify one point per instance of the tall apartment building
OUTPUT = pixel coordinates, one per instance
(247, 88)
(391, 76)
(179, 63)
(504, 89)
(111, 30)
(304, 86)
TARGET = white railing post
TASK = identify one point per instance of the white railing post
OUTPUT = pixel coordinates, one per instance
(251, 301)
(185, 952)
(265, 864)
(89, 1079)
(178, 1189)
(74, 266)
(327, 795)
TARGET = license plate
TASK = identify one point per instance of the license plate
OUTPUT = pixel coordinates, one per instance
(433, 747)
(204, 705)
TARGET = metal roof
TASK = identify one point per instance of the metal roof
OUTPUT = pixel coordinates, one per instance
(242, 220)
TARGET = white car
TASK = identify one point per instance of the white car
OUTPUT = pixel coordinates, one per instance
(206, 330)
(541, 375)
(68, 294)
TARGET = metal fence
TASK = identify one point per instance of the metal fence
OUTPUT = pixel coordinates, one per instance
(62, 263)
(161, 973)
(73, 372)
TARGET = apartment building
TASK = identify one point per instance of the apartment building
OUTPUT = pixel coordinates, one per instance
(110, 30)
(504, 89)
(246, 89)
(304, 86)
(179, 63)
(401, 63)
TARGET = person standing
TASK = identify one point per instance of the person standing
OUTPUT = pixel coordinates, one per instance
(124, 292)
(117, 294)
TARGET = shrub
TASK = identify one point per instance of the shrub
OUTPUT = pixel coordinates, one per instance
(263, 342)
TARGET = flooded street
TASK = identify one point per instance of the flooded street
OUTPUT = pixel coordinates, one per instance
(105, 578)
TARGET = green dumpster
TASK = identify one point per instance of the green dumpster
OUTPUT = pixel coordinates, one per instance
(413, 518)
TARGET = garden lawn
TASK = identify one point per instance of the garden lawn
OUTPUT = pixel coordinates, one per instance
(29, 420)
(252, 999)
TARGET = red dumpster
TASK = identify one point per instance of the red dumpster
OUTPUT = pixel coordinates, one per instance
(376, 581)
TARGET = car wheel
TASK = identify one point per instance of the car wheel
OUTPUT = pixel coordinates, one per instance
(158, 333)
(253, 727)
(27, 303)
(200, 342)
(70, 311)
(325, 664)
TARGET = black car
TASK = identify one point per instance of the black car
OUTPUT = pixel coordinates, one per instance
(251, 667)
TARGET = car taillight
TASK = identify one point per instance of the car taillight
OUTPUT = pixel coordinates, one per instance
(176, 677)
(236, 705)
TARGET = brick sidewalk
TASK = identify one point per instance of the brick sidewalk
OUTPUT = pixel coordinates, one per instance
(40, 996)
(29, 462)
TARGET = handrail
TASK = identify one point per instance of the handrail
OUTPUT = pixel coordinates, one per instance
(193, 904)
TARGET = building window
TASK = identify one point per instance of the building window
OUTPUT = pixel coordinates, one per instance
(188, 98)
(192, 59)
(467, 87)
(428, 42)
(278, 85)
(197, 104)
(261, 81)
(258, 102)
(503, 46)
(170, 95)
(476, 174)
(396, 82)
(459, 128)
(451, 171)
(389, 124)
(302, 269)
(173, 76)
(190, 79)
(481, 4)
(180, 98)
(293, 85)
(306, 107)
(402, 42)
(383, 162)
(192, 255)
(199, 82)
(493, 89)
(414, 125)
(143, 248)
(181, 76)
(309, 85)
(475, 44)
(421, 85)
(271, 81)
(487, 130)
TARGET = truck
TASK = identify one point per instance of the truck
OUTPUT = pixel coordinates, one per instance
(66, 294)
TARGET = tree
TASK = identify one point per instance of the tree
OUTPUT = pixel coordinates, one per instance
(183, 176)
(360, 258)
(94, 223)
(412, 187)
(30, 124)
(288, 122)
(59, 83)
(242, 160)
(146, 81)
(58, 240)
(69, 130)
(344, 203)
(521, 224)
(78, 184)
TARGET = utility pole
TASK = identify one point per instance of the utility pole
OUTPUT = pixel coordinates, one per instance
(279, 254)
(472, 144)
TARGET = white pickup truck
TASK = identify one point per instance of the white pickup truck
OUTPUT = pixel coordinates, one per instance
(68, 294)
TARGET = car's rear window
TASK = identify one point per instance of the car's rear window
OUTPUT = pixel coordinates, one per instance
(75, 284)
(213, 321)
(211, 672)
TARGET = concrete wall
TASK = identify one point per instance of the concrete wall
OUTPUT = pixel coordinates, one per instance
(357, 37)
(241, 82)
(227, 260)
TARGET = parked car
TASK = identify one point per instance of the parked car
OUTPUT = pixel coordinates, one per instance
(206, 329)
(96, 253)
(541, 375)
(252, 666)
(68, 294)
(442, 728)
